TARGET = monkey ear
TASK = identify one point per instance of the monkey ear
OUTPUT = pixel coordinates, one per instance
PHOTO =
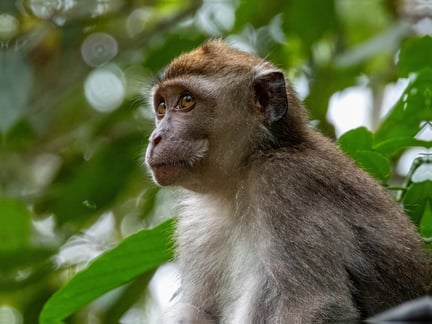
(271, 94)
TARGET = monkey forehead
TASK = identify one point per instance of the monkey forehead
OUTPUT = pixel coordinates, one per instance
(201, 86)
(211, 59)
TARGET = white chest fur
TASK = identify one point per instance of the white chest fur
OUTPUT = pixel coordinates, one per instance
(219, 257)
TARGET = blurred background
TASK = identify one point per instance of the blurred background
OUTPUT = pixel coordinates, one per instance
(74, 120)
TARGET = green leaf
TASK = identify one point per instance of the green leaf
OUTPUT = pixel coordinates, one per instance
(416, 198)
(415, 56)
(393, 146)
(358, 139)
(357, 143)
(132, 293)
(15, 225)
(426, 222)
(374, 163)
(410, 113)
(135, 255)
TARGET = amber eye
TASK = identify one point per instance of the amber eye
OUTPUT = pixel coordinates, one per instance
(161, 109)
(186, 102)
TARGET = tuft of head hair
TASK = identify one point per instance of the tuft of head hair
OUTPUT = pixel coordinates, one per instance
(210, 59)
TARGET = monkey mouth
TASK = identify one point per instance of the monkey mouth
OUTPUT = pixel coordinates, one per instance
(171, 163)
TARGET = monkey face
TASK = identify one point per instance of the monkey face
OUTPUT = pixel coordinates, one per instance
(200, 136)
(179, 145)
(212, 115)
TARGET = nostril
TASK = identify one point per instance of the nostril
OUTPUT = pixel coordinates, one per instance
(156, 140)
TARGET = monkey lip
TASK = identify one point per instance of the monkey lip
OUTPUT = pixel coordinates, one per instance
(164, 164)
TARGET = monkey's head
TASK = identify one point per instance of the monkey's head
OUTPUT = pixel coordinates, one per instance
(215, 107)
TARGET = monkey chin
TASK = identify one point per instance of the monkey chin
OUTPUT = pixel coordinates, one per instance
(169, 175)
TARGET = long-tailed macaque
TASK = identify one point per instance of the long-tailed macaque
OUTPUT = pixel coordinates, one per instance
(277, 225)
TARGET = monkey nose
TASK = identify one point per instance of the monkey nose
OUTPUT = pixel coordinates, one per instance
(156, 139)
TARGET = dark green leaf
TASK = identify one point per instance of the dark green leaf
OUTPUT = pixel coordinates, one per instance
(393, 146)
(128, 297)
(411, 112)
(374, 163)
(359, 139)
(426, 222)
(416, 199)
(357, 143)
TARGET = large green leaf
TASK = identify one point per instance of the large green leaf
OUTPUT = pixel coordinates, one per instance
(426, 222)
(356, 139)
(413, 109)
(135, 255)
(358, 144)
(374, 163)
(393, 146)
(417, 200)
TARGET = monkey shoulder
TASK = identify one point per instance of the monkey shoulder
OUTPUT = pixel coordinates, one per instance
(317, 185)
(315, 171)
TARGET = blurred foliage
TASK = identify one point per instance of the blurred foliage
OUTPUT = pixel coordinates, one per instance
(135, 255)
(74, 124)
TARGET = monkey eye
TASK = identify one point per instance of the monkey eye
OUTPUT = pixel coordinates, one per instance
(161, 109)
(186, 102)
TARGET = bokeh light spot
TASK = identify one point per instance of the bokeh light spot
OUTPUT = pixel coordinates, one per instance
(9, 27)
(105, 89)
(98, 49)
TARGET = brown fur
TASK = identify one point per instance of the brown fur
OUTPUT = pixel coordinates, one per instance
(277, 224)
